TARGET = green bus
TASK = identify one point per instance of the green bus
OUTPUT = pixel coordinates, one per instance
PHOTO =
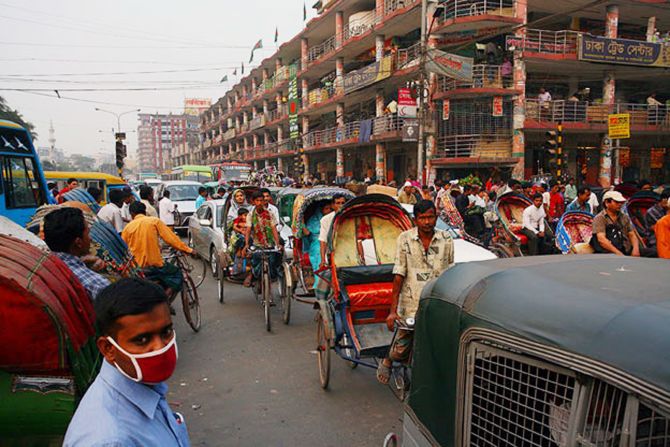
(194, 173)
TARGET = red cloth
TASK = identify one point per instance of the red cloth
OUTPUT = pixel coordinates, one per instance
(556, 205)
(662, 230)
(369, 295)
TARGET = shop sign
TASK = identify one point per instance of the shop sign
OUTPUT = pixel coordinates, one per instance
(618, 126)
(623, 51)
(410, 130)
(624, 157)
(293, 126)
(657, 158)
(497, 106)
(368, 75)
(406, 103)
(446, 109)
(451, 65)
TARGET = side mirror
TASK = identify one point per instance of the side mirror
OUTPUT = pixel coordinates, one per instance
(205, 223)
(286, 219)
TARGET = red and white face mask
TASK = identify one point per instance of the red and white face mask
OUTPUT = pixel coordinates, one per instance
(151, 367)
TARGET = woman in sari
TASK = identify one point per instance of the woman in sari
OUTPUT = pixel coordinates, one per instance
(239, 201)
(310, 238)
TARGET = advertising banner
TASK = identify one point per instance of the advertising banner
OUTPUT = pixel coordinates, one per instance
(497, 106)
(618, 126)
(406, 103)
(624, 157)
(410, 130)
(451, 65)
(657, 158)
(623, 51)
(195, 106)
(368, 75)
(293, 125)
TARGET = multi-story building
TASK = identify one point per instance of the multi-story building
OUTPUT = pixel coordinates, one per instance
(185, 151)
(328, 97)
(157, 135)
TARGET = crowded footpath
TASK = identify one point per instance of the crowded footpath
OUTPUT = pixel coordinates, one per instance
(367, 259)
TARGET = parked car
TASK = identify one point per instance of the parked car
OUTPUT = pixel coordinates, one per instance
(183, 193)
(206, 233)
(548, 350)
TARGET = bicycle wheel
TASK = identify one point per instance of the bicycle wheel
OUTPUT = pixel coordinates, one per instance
(285, 295)
(220, 285)
(197, 269)
(323, 352)
(191, 303)
(267, 294)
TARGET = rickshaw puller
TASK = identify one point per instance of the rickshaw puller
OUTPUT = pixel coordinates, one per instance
(422, 254)
(262, 231)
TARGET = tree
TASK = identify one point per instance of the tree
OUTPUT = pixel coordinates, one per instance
(7, 113)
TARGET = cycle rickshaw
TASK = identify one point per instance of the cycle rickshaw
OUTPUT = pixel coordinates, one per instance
(297, 281)
(354, 294)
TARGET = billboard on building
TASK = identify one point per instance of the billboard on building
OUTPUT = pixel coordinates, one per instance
(623, 51)
(195, 106)
(407, 104)
(358, 79)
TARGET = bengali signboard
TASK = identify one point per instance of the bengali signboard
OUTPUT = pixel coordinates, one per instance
(410, 130)
(446, 109)
(618, 126)
(623, 51)
(406, 103)
(624, 157)
(195, 106)
(497, 106)
(657, 160)
(451, 65)
(293, 125)
(368, 75)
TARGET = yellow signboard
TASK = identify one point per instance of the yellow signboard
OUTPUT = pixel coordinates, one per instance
(618, 126)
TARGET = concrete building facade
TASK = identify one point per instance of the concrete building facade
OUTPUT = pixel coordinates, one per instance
(158, 135)
(326, 103)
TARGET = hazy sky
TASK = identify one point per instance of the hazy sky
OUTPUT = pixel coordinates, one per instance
(76, 44)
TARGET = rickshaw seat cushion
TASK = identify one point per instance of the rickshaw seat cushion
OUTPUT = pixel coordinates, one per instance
(369, 295)
(365, 274)
(523, 239)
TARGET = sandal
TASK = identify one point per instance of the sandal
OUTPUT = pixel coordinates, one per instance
(383, 373)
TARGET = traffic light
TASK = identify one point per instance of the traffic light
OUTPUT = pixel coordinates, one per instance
(554, 146)
(121, 151)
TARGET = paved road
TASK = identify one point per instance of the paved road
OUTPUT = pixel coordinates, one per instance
(238, 385)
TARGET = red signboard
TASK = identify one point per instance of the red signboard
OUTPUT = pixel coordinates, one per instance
(624, 157)
(497, 106)
(657, 158)
(445, 109)
(406, 103)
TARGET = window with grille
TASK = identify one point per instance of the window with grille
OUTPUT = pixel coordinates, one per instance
(653, 428)
(603, 422)
(515, 400)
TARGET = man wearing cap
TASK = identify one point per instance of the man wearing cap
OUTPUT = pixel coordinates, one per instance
(612, 230)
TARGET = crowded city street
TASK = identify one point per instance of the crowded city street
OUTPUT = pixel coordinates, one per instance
(393, 223)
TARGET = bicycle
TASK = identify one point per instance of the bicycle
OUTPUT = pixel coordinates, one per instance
(262, 287)
(189, 292)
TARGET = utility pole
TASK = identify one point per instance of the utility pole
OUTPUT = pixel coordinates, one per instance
(420, 156)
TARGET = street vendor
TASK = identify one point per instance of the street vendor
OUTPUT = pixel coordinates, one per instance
(126, 405)
(422, 254)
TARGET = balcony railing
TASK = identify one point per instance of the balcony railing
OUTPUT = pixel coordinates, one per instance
(483, 76)
(359, 26)
(386, 124)
(319, 95)
(317, 51)
(591, 113)
(257, 122)
(285, 146)
(408, 57)
(332, 135)
(229, 134)
(207, 143)
(543, 41)
(274, 115)
(391, 6)
(484, 146)
(470, 8)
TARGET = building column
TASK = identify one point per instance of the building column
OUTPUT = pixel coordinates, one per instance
(305, 93)
(280, 134)
(278, 101)
(651, 28)
(339, 75)
(379, 47)
(255, 165)
(379, 7)
(254, 112)
(305, 125)
(266, 107)
(339, 28)
(609, 92)
(278, 64)
(339, 163)
(280, 164)
(254, 139)
(519, 111)
(305, 162)
(254, 85)
(304, 51)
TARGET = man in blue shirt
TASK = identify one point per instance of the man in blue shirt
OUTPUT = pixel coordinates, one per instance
(581, 203)
(67, 234)
(202, 197)
(126, 405)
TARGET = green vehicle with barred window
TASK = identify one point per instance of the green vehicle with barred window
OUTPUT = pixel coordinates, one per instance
(543, 351)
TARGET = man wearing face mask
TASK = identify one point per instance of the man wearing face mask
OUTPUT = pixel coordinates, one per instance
(126, 403)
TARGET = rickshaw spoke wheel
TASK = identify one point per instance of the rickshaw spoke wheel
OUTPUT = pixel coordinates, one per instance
(266, 291)
(323, 352)
(191, 304)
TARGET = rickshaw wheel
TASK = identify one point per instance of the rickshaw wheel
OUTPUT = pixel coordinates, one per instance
(285, 298)
(323, 352)
(220, 286)
(501, 251)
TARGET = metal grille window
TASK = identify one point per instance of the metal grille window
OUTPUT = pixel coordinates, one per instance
(514, 400)
(602, 424)
(653, 428)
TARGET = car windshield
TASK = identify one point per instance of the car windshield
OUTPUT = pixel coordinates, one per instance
(444, 226)
(180, 193)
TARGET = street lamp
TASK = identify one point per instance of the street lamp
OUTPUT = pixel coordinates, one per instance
(117, 115)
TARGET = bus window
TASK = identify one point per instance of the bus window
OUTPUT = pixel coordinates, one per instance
(21, 188)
